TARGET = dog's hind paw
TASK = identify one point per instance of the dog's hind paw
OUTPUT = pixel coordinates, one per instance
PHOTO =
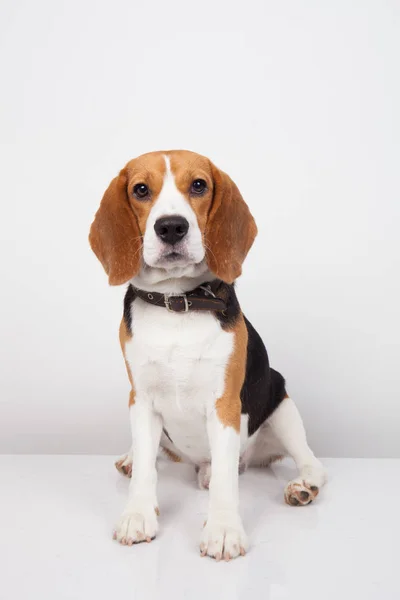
(124, 464)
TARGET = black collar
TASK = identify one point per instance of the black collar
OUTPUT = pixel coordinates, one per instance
(204, 297)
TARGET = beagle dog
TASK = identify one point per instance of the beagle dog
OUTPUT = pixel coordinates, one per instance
(177, 230)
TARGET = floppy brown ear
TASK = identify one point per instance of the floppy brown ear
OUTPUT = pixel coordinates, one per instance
(230, 229)
(114, 235)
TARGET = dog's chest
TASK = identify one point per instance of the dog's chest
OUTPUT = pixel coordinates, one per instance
(178, 364)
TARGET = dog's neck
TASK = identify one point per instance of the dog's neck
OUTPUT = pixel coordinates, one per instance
(172, 281)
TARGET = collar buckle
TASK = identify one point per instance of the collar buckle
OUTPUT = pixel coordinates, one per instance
(168, 306)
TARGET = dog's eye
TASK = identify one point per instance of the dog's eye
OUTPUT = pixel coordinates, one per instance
(198, 186)
(141, 191)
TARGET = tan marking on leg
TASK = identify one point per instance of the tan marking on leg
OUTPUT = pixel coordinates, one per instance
(229, 405)
(171, 455)
(276, 457)
(124, 337)
(157, 511)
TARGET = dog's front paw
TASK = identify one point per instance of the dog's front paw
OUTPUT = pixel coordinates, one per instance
(223, 536)
(137, 524)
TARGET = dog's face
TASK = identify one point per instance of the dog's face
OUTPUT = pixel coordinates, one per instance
(174, 213)
(171, 195)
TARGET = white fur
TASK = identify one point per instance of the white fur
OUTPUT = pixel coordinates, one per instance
(223, 533)
(172, 202)
(139, 519)
(178, 364)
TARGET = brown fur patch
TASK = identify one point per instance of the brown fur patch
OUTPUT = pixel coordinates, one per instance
(229, 405)
(116, 234)
(231, 229)
(150, 170)
(171, 455)
(224, 219)
(186, 167)
(124, 337)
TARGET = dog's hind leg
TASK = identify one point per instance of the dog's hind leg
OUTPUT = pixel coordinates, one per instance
(287, 426)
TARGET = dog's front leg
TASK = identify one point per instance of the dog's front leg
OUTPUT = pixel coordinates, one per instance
(223, 535)
(138, 522)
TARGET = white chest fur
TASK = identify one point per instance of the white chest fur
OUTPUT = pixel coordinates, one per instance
(178, 364)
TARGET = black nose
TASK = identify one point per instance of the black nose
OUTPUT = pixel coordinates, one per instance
(171, 229)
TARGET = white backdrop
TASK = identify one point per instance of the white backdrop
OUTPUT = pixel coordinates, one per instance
(299, 102)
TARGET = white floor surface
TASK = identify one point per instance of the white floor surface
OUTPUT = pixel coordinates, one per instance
(57, 515)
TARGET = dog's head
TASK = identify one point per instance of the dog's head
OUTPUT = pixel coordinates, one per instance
(173, 212)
